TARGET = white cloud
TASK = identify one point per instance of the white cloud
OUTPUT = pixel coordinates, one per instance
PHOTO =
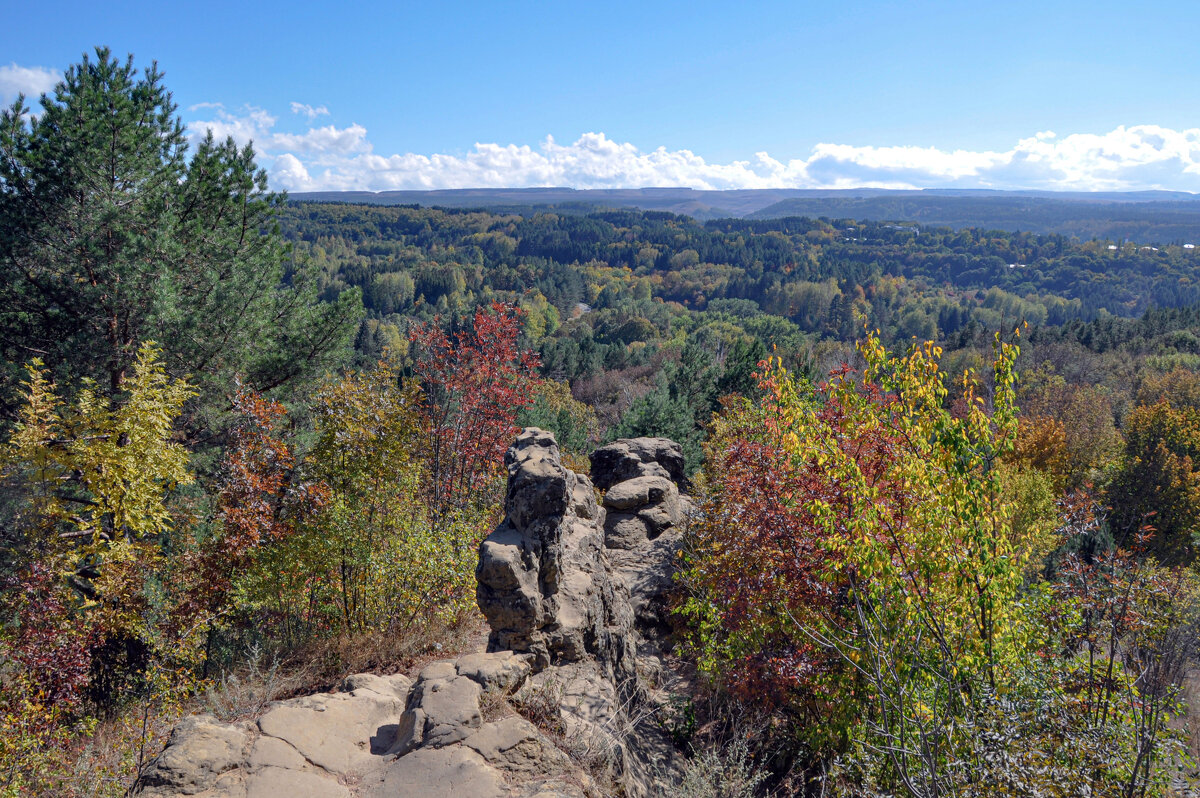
(289, 171)
(328, 139)
(257, 125)
(309, 111)
(333, 158)
(33, 82)
(252, 125)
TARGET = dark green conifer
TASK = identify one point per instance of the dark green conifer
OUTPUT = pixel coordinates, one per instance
(110, 234)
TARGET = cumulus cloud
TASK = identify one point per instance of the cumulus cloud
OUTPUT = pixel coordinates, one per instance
(251, 124)
(333, 158)
(328, 139)
(257, 126)
(309, 111)
(33, 82)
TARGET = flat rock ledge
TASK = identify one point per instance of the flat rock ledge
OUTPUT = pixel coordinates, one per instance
(574, 588)
(377, 737)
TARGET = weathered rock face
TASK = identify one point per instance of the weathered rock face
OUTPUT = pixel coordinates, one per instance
(199, 755)
(580, 586)
(575, 592)
(544, 581)
(643, 523)
(629, 458)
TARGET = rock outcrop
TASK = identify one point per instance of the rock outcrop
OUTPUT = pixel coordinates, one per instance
(378, 737)
(574, 591)
(643, 524)
(543, 577)
(630, 458)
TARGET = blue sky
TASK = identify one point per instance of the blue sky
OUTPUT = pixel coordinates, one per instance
(831, 94)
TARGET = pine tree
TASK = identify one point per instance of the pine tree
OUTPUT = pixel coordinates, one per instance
(111, 235)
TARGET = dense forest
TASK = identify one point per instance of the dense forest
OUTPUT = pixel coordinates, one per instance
(947, 480)
(1160, 219)
(651, 317)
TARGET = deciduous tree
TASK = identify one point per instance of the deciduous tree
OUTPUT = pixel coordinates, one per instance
(474, 383)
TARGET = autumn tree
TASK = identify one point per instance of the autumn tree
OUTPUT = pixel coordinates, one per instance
(1066, 430)
(861, 565)
(369, 426)
(368, 557)
(96, 476)
(260, 499)
(474, 382)
(857, 518)
(94, 482)
(1157, 483)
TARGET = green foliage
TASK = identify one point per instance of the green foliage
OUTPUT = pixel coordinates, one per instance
(873, 490)
(664, 413)
(110, 235)
(370, 558)
(81, 631)
(573, 423)
(1157, 484)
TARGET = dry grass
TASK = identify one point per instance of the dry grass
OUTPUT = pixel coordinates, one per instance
(597, 749)
(495, 705)
(725, 771)
(541, 705)
(244, 692)
(103, 762)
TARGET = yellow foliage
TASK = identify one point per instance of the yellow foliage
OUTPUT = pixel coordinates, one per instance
(371, 557)
(100, 472)
(930, 536)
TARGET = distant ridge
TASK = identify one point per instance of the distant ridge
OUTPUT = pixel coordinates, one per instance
(693, 202)
(1150, 216)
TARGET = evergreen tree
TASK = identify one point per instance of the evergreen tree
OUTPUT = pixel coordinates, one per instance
(664, 413)
(111, 235)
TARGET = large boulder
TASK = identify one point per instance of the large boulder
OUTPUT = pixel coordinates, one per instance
(543, 577)
(630, 458)
(200, 751)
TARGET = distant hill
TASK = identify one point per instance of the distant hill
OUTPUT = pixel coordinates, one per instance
(1144, 216)
(690, 202)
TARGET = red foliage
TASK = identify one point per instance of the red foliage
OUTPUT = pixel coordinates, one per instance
(259, 498)
(1118, 605)
(772, 545)
(257, 472)
(769, 559)
(53, 641)
(474, 384)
